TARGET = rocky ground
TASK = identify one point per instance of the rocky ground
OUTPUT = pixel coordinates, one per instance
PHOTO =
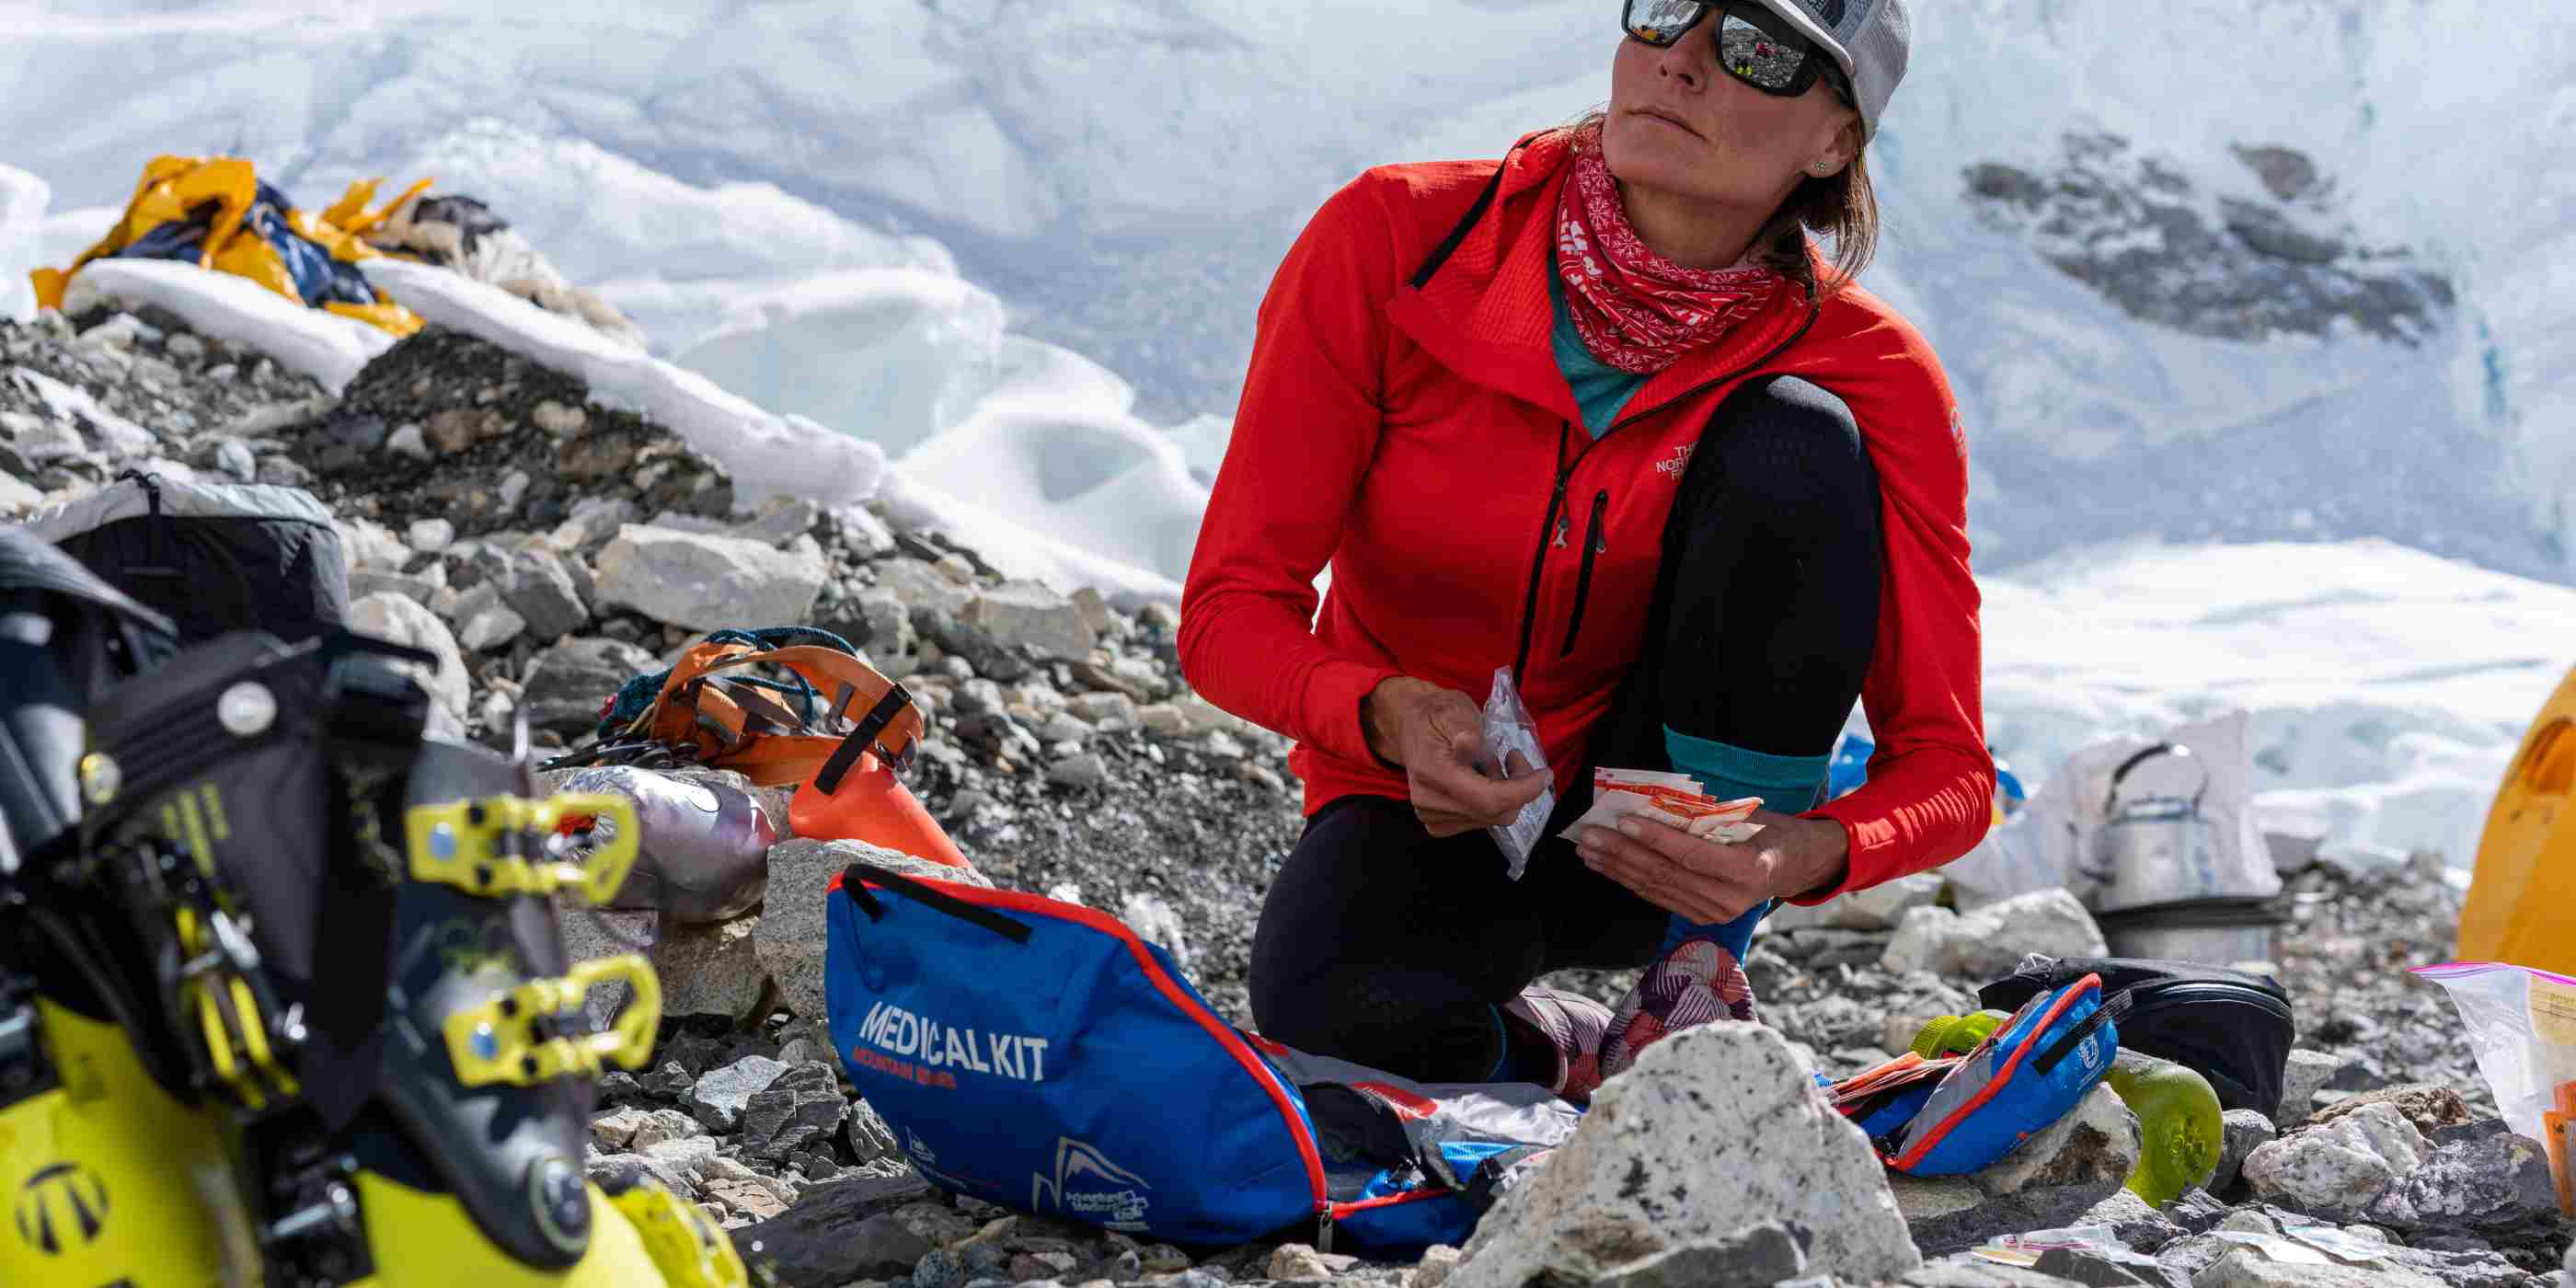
(534, 541)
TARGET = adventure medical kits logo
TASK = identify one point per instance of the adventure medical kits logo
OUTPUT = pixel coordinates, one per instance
(1088, 1185)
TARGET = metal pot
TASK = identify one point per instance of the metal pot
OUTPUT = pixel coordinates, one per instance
(2215, 932)
(2155, 849)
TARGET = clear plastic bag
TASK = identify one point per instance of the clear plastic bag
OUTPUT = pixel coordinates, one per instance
(1512, 748)
(2522, 1027)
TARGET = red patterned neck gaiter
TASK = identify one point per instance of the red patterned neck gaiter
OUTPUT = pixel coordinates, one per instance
(1635, 309)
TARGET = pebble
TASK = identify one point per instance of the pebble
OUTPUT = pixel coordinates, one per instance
(1079, 772)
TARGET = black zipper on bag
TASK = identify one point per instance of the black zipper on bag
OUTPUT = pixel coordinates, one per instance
(1593, 543)
(2155, 997)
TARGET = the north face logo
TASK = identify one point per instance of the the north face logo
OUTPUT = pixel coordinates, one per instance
(1672, 466)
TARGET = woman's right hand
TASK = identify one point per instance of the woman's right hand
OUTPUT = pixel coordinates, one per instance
(1437, 735)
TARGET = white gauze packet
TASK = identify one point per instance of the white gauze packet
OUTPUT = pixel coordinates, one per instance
(1510, 737)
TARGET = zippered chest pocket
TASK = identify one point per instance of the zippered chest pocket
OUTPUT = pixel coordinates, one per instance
(1596, 542)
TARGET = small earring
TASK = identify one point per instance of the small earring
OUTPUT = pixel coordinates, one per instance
(1820, 169)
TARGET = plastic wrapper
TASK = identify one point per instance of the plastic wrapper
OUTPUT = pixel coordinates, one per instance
(1512, 748)
(2521, 1025)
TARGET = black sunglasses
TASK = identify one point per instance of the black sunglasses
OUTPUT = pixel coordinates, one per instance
(1754, 45)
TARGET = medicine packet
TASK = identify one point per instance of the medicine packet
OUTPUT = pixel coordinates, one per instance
(1512, 747)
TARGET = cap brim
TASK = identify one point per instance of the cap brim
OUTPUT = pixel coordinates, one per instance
(1796, 16)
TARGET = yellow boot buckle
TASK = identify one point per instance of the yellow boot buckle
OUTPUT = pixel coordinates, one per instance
(497, 1041)
(481, 847)
(690, 1250)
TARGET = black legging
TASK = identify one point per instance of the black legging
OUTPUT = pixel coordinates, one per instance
(1383, 945)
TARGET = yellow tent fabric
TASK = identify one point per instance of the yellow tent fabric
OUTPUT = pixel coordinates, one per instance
(177, 188)
(2522, 899)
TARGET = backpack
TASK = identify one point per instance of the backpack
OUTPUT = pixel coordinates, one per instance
(65, 637)
(2228, 1026)
(1042, 1056)
(214, 557)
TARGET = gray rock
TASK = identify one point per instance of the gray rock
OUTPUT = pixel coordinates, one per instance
(2107, 1268)
(369, 544)
(1714, 1129)
(2499, 1181)
(838, 1232)
(1026, 617)
(2337, 1169)
(665, 1124)
(18, 496)
(1992, 940)
(1438, 1261)
(940, 1268)
(618, 1172)
(397, 620)
(558, 419)
(866, 1135)
(699, 581)
(1080, 772)
(484, 624)
(720, 1097)
(2432, 1109)
(1881, 907)
(615, 1129)
(919, 586)
(780, 520)
(2196, 1211)
(686, 1155)
(2306, 1072)
(1103, 709)
(233, 457)
(711, 970)
(804, 1105)
(2245, 1130)
(430, 536)
(1752, 1258)
(417, 587)
(408, 442)
(792, 934)
(2250, 1268)
(866, 535)
(890, 634)
(2054, 1177)
(568, 682)
(1960, 1271)
(2134, 1222)
(1300, 1263)
(540, 587)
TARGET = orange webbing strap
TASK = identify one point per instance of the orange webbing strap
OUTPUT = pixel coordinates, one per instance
(739, 728)
(857, 689)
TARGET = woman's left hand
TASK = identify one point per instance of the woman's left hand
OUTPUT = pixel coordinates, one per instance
(1713, 882)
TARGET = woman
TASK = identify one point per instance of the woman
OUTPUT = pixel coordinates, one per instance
(1599, 413)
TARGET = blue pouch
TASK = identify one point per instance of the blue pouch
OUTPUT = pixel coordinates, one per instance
(2031, 1071)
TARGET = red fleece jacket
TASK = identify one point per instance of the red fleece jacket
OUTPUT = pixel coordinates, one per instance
(1415, 435)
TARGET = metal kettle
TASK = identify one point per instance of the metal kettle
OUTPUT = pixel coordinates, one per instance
(2154, 849)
